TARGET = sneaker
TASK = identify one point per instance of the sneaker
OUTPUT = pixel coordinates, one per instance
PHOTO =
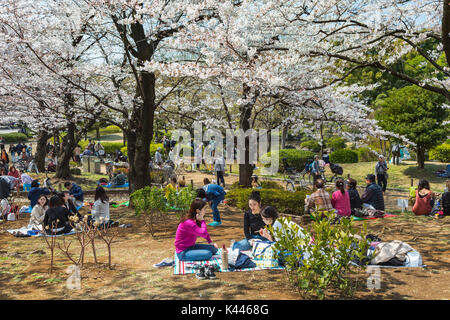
(165, 263)
(215, 224)
(200, 274)
(210, 272)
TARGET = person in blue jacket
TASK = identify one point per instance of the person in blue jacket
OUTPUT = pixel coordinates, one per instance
(36, 192)
(76, 192)
(215, 195)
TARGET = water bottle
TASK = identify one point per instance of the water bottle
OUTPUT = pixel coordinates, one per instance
(224, 258)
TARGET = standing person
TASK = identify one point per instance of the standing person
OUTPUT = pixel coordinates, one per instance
(19, 148)
(215, 195)
(355, 199)
(166, 145)
(77, 153)
(219, 167)
(253, 223)
(192, 225)
(100, 209)
(341, 199)
(423, 204)
(76, 192)
(91, 146)
(326, 158)
(12, 151)
(2, 143)
(26, 181)
(373, 195)
(198, 156)
(56, 219)
(315, 169)
(381, 173)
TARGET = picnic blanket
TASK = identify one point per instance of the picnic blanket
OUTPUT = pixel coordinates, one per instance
(126, 204)
(387, 215)
(188, 267)
(35, 233)
(109, 185)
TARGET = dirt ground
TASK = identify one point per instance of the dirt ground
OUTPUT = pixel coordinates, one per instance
(24, 265)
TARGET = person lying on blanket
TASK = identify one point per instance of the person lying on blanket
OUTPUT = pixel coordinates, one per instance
(56, 219)
(253, 223)
(192, 226)
(38, 213)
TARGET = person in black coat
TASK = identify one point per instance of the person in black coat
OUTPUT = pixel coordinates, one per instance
(445, 201)
(56, 219)
(355, 199)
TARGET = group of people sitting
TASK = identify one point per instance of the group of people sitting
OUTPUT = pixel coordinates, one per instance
(425, 200)
(53, 216)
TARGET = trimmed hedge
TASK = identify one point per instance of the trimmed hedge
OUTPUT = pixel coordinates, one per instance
(153, 148)
(283, 201)
(366, 155)
(110, 147)
(311, 145)
(336, 143)
(344, 156)
(441, 153)
(14, 137)
(295, 158)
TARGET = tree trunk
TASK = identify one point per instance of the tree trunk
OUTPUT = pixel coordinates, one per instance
(68, 146)
(420, 157)
(246, 169)
(97, 133)
(41, 150)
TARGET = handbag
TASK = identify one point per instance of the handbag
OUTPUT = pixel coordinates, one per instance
(264, 254)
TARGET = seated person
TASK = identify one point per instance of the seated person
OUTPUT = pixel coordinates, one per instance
(373, 195)
(181, 184)
(320, 199)
(14, 173)
(36, 192)
(100, 208)
(341, 199)
(445, 202)
(56, 219)
(192, 226)
(51, 167)
(76, 192)
(5, 188)
(423, 204)
(355, 200)
(38, 213)
(119, 179)
(13, 183)
(253, 223)
(68, 203)
(255, 182)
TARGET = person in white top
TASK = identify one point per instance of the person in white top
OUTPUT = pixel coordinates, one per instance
(100, 209)
(38, 214)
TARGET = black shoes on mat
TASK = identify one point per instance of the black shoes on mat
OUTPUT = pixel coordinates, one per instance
(204, 273)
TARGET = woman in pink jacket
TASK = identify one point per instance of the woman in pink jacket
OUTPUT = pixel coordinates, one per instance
(191, 227)
(341, 200)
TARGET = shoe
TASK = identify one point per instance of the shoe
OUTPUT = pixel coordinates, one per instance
(165, 263)
(210, 273)
(215, 224)
(200, 274)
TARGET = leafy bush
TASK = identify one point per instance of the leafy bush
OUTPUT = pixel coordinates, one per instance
(14, 137)
(325, 264)
(153, 148)
(336, 143)
(366, 155)
(267, 184)
(285, 202)
(75, 164)
(150, 204)
(295, 158)
(311, 145)
(75, 171)
(111, 147)
(344, 156)
(441, 153)
(110, 129)
(181, 200)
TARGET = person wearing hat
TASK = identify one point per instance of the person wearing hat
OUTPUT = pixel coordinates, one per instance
(158, 157)
(373, 195)
(381, 173)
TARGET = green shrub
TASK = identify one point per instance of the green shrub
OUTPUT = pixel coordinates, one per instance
(441, 153)
(111, 147)
(344, 156)
(153, 148)
(110, 129)
(336, 143)
(267, 184)
(366, 155)
(311, 145)
(150, 204)
(327, 263)
(285, 202)
(181, 200)
(14, 137)
(75, 171)
(295, 158)
(75, 164)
